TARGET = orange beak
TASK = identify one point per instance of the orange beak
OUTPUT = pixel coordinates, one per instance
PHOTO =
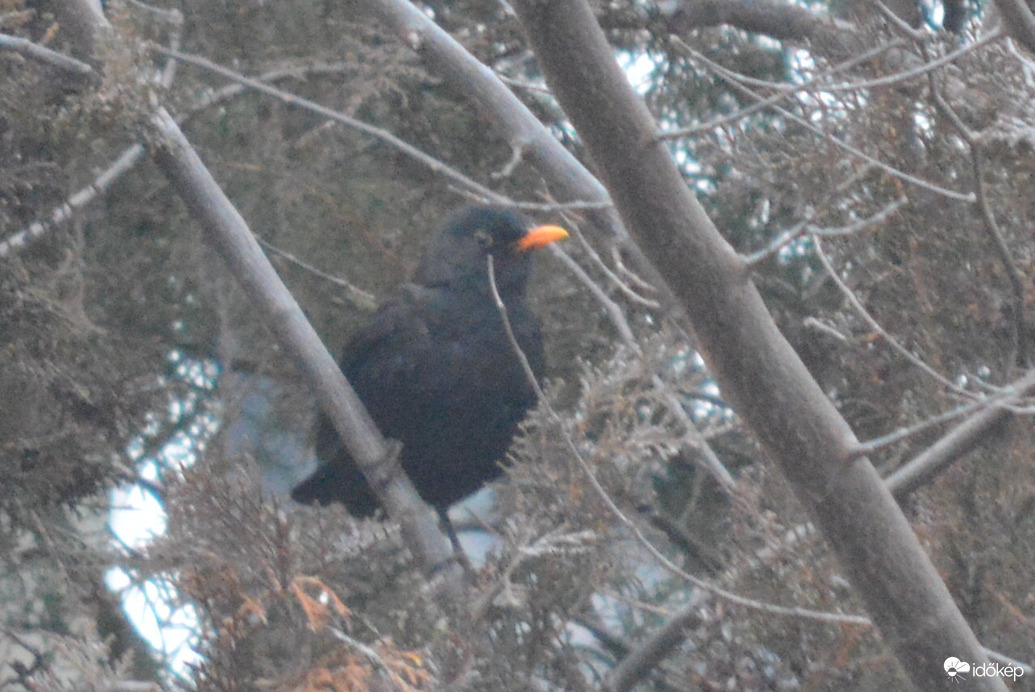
(541, 236)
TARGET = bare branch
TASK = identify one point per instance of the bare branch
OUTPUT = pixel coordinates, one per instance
(862, 224)
(755, 367)
(81, 71)
(806, 228)
(641, 660)
(229, 234)
(822, 83)
(433, 164)
(779, 21)
(902, 25)
(811, 84)
(361, 298)
(133, 154)
(446, 58)
(79, 200)
(594, 257)
(957, 442)
(781, 241)
(171, 17)
(923, 68)
(694, 440)
(876, 444)
(1019, 21)
(877, 328)
(733, 80)
(610, 307)
(1019, 324)
(556, 207)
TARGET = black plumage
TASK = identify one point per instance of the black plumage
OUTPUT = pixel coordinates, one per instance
(435, 369)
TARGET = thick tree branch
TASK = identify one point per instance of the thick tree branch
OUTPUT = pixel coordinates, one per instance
(570, 180)
(754, 365)
(783, 22)
(1018, 21)
(776, 20)
(228, 233)
(641, 660)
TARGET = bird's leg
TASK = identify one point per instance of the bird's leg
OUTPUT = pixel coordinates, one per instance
(458, 551)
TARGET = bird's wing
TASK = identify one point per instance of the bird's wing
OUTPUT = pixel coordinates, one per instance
(378, 362)
(392, 342)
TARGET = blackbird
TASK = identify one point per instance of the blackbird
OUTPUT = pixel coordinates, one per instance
(435, 369)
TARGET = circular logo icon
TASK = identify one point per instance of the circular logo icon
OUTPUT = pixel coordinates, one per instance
(955, 667)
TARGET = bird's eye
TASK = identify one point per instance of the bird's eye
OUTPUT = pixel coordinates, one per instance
(483, 238)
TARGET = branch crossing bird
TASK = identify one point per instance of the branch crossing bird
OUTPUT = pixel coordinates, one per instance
(435, 369)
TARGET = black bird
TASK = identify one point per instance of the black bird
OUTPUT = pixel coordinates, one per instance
(435, 369)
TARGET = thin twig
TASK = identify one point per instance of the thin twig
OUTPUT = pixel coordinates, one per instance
(173, 17)
(957, 442)
(691, 437)
(591, 252)
(624, 271)
(876, 327)
(68, 65)
(435, 165)
(733, 80)
(781, 241)
(613, 310)
(783, 96)
(368, 652)
(1018, 326)
(804, 226)
(75, 203)
(918, 71)
(543, 207)
(914, 34)
(813, 85)
(870, 446)
(861, 224)
(361, 298)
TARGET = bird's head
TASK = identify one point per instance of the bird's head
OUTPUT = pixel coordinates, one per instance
(457, 255)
